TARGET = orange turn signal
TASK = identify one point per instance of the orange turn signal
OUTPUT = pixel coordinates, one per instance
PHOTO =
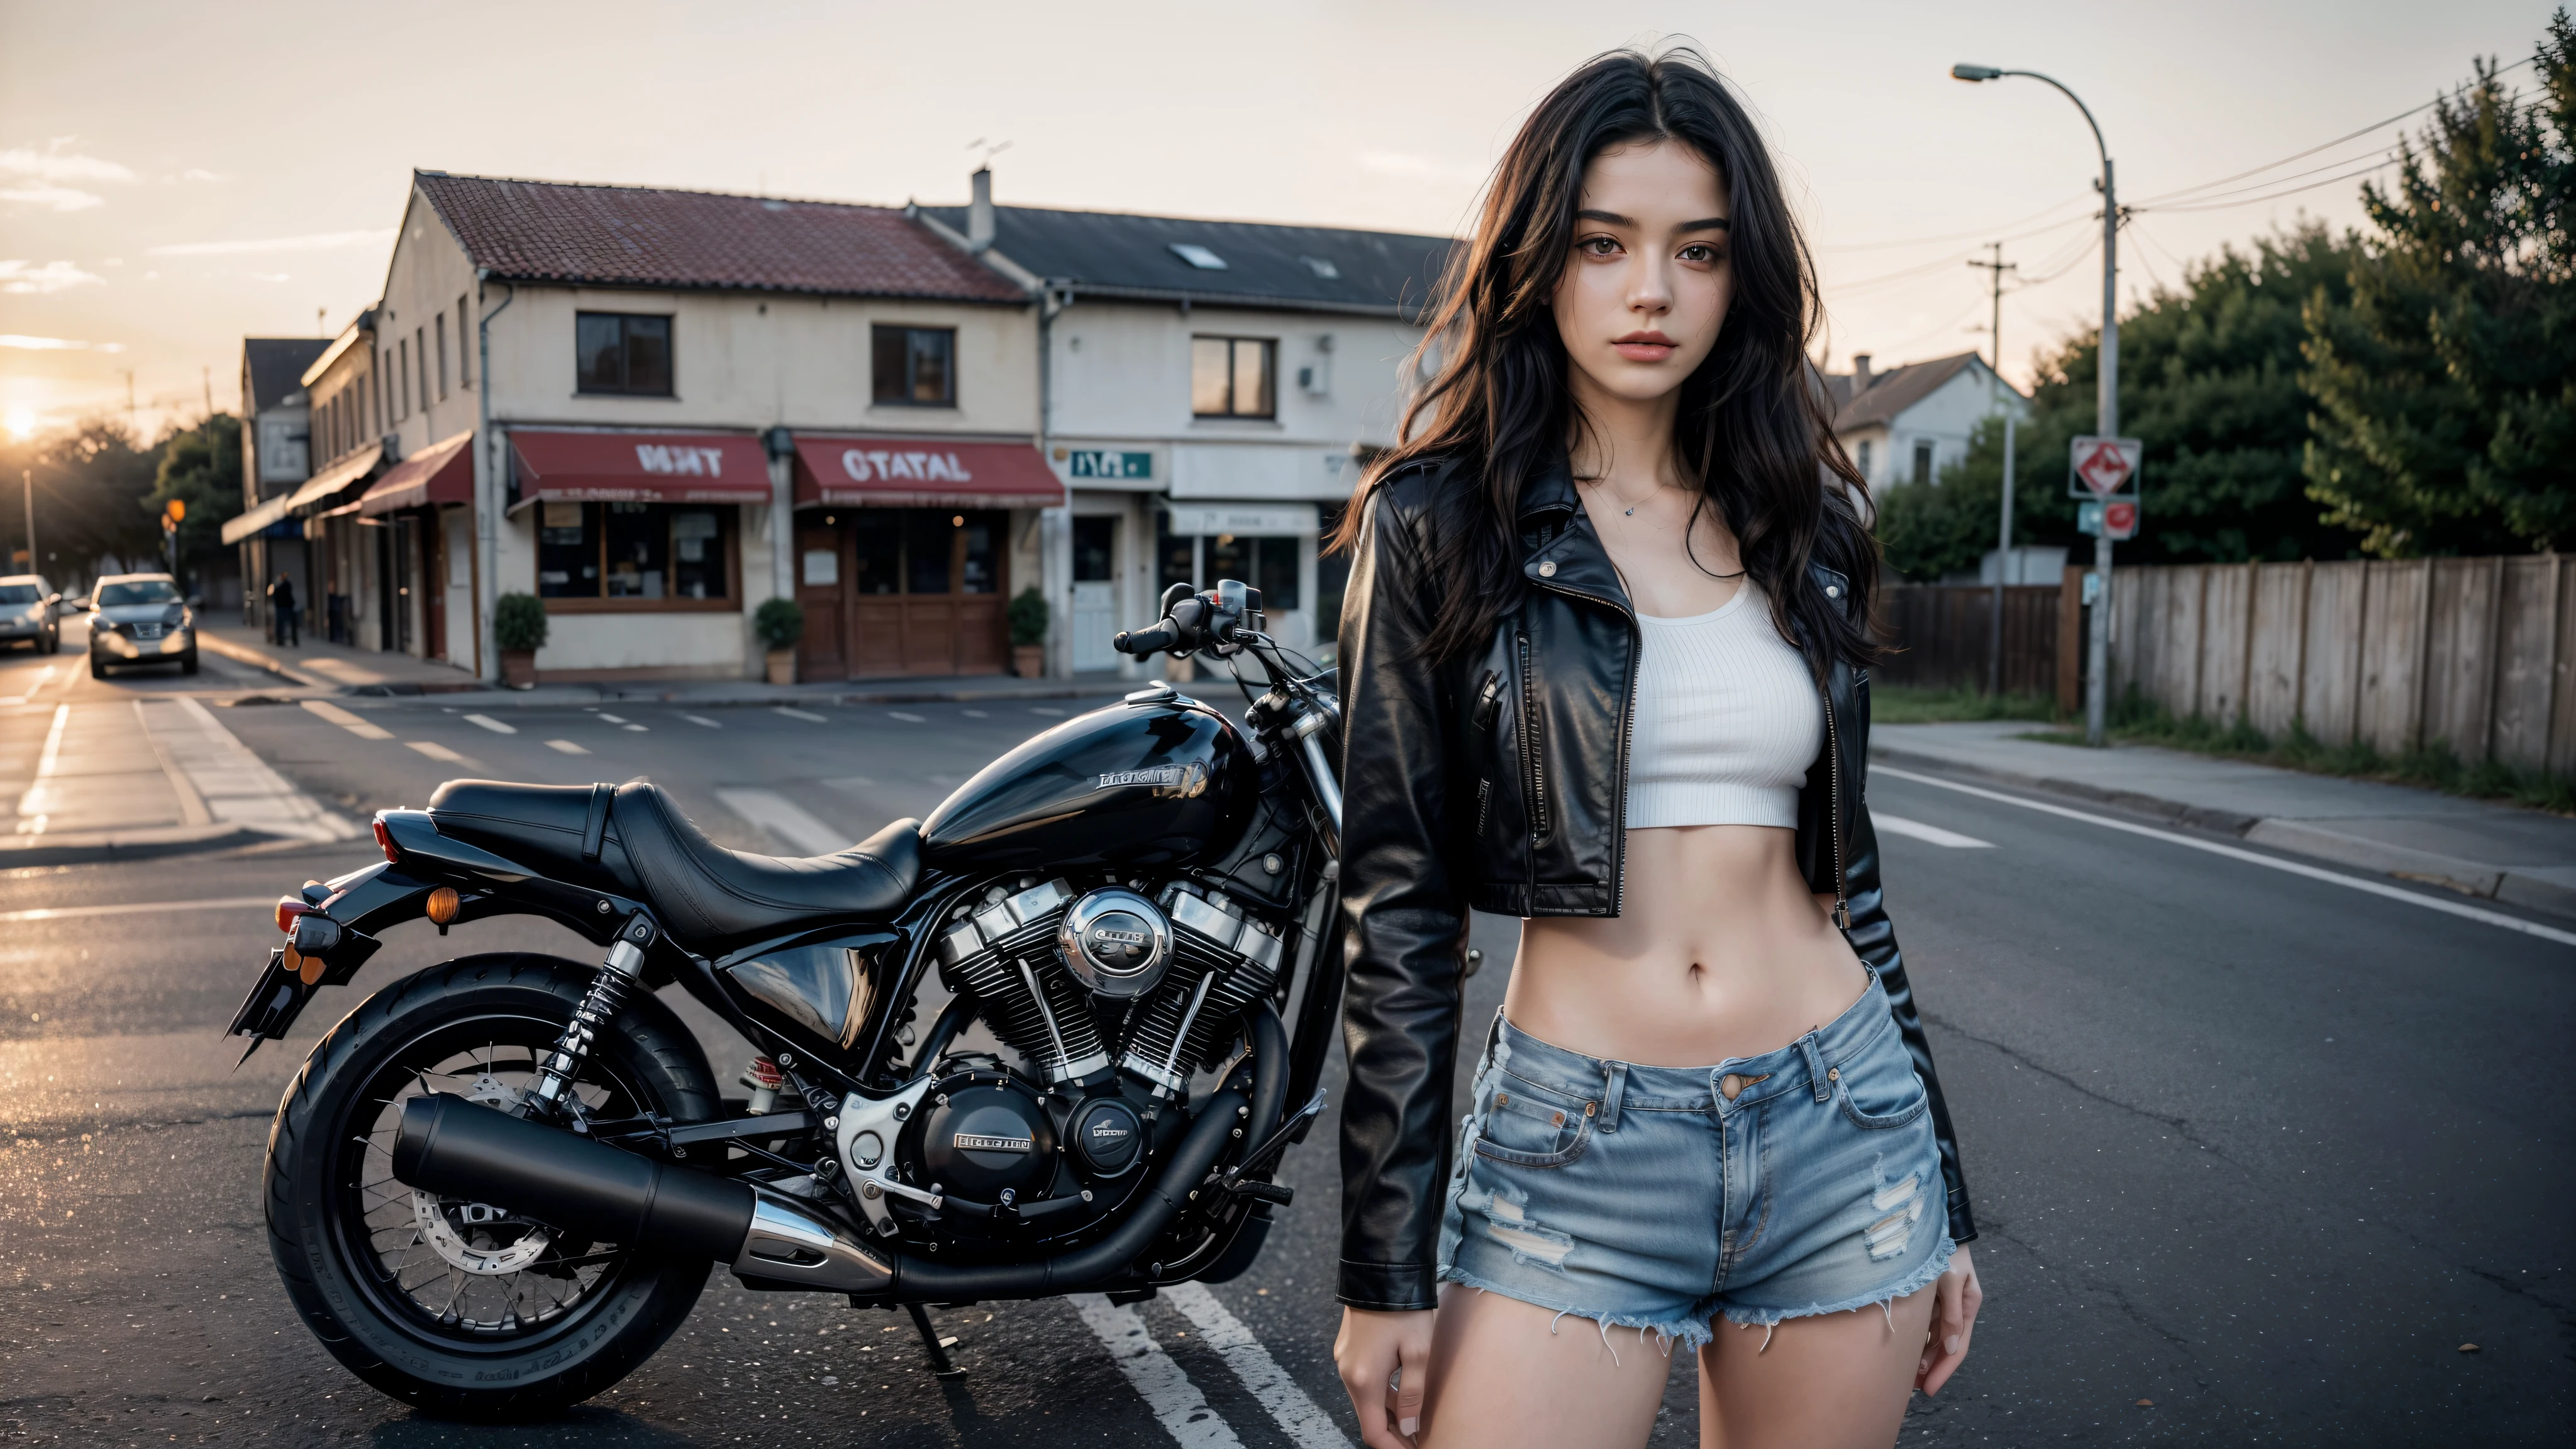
(444, 903)
(288, 908)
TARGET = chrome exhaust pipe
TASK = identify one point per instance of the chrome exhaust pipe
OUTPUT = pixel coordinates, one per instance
(458, 1148)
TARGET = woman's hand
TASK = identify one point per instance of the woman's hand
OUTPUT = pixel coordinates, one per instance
(1385, 1359)
(1954, 1320)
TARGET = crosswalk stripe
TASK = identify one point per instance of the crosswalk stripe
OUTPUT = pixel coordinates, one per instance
(129, 908)
(436, 751)
(799, 714)
(566, 746)
(699, 719)
(1176, 1402)
(1305, 1424)
(489, 723)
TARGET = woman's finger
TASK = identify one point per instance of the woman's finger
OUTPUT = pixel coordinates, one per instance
(1411, 1382)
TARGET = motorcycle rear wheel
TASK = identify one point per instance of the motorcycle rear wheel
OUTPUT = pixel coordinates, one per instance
(459, 1309)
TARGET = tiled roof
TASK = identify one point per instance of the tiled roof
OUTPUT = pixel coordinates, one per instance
(642, 236)
(1108, 253)
(1891, 392)
(273, 367)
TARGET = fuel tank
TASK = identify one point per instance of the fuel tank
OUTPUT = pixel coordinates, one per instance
(1153, 781)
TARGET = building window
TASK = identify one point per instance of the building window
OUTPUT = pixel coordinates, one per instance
(929, 551)
(915, 366)
(633, 551)
(464, 347)
(1095, 544)
(442, 357)
(402, 378)
(1232, 377)
(1923, 460)
(1864, 459)
(420, 349)
(1268, 563)
(619, 352)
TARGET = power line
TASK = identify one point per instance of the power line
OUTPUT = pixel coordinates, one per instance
(1925, 241)
(2379, 165)
(1943, 261)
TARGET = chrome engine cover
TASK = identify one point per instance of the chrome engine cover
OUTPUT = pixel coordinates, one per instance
(1116, 942)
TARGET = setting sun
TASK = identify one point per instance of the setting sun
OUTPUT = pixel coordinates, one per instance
(21, 421)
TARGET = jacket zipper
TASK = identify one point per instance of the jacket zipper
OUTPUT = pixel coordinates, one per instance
(1834, 803)
(1533, 768)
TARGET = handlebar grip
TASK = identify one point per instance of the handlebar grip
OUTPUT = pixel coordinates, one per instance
(1141, 642)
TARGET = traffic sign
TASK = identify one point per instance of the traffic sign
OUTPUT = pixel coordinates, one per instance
(2121, 514)
(2099, 467)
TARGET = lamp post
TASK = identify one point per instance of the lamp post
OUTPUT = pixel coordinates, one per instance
(2097, 666)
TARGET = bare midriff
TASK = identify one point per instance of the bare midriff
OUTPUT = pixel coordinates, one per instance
(1720, 951)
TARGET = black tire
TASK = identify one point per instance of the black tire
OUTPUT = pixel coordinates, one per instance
(188, 662)
(331, 1136)
(97, 670)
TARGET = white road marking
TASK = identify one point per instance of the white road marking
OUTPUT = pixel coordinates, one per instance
(130, 908)
(2372, 887)
(637, 728)
(324, 709)
(566, 746)
(1175, 1401)
(436, 751)
(1917, 830)
(1305, 1425)
(238, 786)
(1042, 709)
(974, 714)
(785, 819)
(699, 719)
(32, 805)
(907, 718)
(799, 714)
(613, 718)
(42, 676)
(489, 723)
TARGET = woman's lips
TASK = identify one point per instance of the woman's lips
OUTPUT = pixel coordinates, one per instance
(1644, 346)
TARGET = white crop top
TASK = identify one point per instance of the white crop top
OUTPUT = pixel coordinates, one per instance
(1727, 720)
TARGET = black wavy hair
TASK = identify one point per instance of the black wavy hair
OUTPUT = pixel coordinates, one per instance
(1753, 428)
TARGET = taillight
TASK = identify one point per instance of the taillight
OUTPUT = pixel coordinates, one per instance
(385, 843)
(288, 908)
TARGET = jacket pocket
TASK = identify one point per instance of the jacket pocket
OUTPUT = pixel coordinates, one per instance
(1489, 699)
(1532, 743)
(1531, 1126)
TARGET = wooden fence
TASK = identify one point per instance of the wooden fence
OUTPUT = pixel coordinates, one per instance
(1941, 631)
(2472, 653)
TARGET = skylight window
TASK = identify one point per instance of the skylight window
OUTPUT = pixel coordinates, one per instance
(1322, 267)
(1198, 256)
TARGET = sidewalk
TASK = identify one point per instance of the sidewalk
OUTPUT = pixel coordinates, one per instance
(2522, 857)
(342, 669)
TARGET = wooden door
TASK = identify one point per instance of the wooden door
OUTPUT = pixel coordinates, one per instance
(822, 591)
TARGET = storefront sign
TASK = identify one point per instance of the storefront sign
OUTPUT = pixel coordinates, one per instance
(870, 465)
(679, 462)
(922, 473)
(1243, 520)
(1103, 463)
(571, 467)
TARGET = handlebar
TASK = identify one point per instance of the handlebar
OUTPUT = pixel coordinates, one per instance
(1194, 621)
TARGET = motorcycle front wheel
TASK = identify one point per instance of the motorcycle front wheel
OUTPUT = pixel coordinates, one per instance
(466, 1309)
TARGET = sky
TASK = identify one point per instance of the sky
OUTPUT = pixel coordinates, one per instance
(177, 176)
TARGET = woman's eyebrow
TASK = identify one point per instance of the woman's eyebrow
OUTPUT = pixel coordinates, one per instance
(1709, 223)
(1612, 218)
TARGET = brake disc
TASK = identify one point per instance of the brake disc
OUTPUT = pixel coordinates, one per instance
(475, 1237)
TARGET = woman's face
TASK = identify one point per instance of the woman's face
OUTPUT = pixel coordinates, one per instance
(1646, 290)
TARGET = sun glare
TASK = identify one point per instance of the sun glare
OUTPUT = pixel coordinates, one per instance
(22, 422)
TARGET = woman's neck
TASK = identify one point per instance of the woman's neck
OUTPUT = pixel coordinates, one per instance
(1624, 442)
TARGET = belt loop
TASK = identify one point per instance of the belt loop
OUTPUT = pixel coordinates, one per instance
(1493, 1035)
(1816, 1067)
(1612, 1091)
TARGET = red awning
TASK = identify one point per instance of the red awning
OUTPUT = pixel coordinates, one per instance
(923, 473)
(443, 473)
(639, 468)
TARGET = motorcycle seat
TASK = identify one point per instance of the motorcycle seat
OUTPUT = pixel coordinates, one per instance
(643, 845)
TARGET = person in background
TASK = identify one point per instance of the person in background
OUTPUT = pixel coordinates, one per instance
(281, 614)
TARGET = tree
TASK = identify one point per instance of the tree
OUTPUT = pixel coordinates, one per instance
(89, 481)
(201, 467)
(2446, 391)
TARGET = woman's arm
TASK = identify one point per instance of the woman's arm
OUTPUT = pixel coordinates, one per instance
(1405, 927)
(1875, 939)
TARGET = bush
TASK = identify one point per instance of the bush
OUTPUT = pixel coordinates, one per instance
(779, 623)
(1028, 617)
(519, 623)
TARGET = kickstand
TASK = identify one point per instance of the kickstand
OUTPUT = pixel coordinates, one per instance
(941, 1365)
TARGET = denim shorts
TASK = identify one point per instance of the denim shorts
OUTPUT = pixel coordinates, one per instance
(1798, 1182)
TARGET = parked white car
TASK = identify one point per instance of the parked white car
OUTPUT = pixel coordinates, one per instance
(141, 619)
(31, 610)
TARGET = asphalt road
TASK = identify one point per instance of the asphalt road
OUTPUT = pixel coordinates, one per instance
(2259, 1149)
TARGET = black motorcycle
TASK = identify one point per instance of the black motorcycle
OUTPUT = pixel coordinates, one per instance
(497, 1186)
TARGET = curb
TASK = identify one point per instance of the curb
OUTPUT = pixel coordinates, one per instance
(243, 654)
(98, 846)
(2295, 837)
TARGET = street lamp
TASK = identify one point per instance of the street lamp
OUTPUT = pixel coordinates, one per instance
(2097, 668)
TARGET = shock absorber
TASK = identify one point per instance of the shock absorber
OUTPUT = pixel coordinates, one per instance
(598, 1007)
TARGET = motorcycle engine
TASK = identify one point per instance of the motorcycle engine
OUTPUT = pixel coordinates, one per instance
(1059, 974)
(986, 1137)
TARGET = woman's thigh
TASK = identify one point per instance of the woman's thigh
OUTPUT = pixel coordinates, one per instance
(1830, 1381)
(1506, 1373)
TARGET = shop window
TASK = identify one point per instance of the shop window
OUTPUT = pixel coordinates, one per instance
(926, 551)
(1233, 377)
(622, 352)
(1095, 542)
(915, 366)
(1268, 564)
(635, 551)
(1332, 578)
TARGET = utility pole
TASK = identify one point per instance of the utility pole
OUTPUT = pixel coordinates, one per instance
(206, 375)
(2003, 547)
(27, 478)
(2106, 405)
(1995, 327)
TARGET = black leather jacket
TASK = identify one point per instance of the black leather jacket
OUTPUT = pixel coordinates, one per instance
(1498, 781)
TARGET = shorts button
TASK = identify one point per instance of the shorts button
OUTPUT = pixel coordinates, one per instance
(1730, 1084)
(1560, 1120)
(1833, 1074)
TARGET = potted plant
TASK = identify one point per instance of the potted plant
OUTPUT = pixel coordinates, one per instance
(519, 630)
(1028, 621)
(780, 623)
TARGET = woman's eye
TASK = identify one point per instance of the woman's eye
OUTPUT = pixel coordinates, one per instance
(1598, 246)
(1700, 252)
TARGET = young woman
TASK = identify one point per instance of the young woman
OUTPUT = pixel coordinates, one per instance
(1603, 669)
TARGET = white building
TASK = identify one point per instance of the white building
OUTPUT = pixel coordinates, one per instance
(277, 456)
(1210, 391)
(1907, 424)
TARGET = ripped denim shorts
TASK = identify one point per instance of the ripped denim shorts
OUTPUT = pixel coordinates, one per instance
(1799, 1182)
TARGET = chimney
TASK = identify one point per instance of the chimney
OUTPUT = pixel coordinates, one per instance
(979, 212)
(1860, 371)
